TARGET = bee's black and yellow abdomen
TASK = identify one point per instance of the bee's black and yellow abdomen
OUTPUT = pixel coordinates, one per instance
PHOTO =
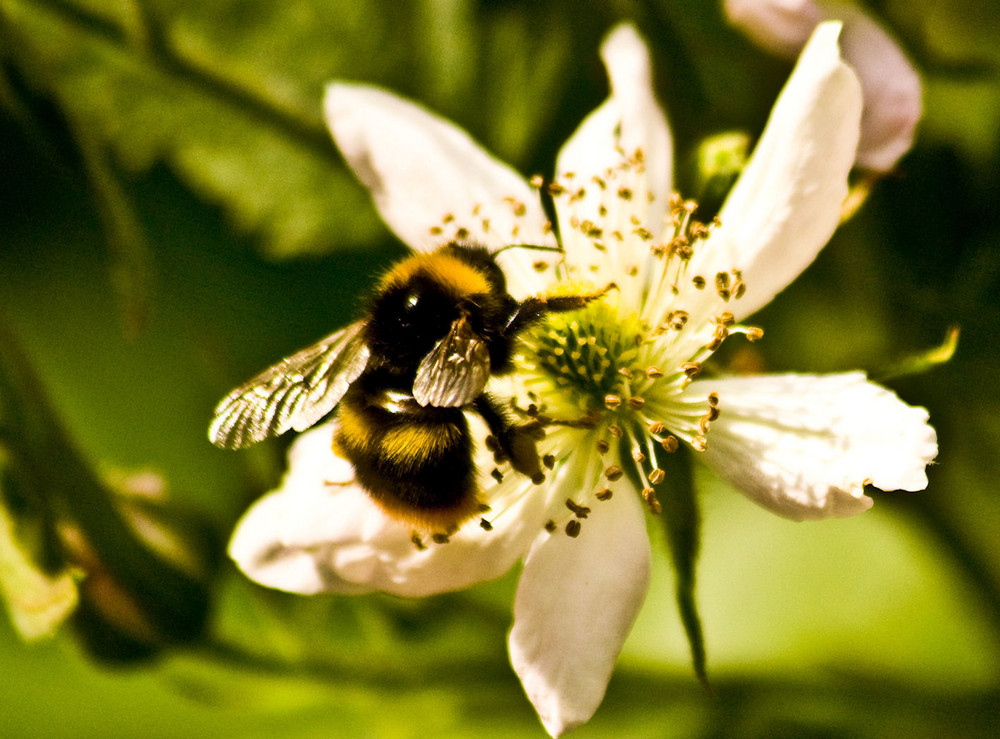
(415, 463)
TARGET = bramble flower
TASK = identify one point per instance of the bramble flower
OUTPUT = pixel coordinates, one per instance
(890, 85)
(617, 385)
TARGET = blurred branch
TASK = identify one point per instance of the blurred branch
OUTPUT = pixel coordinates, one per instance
(132, 259)
(124, 576)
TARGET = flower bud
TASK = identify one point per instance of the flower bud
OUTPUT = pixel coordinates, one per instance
(891, 86)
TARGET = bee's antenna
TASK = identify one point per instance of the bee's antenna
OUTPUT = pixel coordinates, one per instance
(537, 247)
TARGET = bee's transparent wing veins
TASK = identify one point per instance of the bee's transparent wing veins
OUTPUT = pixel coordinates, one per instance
(293, 394)
(454, 373)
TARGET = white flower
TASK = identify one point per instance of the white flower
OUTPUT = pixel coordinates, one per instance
(617, 382)
(891, 86)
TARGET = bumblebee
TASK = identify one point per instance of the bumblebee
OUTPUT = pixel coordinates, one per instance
(402, 379)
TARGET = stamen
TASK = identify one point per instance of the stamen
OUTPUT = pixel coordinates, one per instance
(649, 495)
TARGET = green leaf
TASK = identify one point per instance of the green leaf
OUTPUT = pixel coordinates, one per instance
(38, 603)
(148, 83)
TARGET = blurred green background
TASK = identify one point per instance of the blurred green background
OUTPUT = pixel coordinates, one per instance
(174, 217)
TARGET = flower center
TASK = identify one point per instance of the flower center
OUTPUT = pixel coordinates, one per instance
(585, 355)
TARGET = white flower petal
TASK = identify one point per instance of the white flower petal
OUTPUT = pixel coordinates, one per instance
(421, 168)
(575, 605)
(311, 536)
(629, 120)
(891, 86)
(786, 204)
(804, 446)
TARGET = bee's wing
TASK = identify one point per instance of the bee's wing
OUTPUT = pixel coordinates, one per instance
(293, 394)
(455, 371)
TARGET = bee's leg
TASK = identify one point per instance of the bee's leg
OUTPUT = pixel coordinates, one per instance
(516, 442)
(531, 309)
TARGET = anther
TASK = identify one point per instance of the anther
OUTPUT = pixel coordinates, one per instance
(497, 475)
(651, 502)
(700, 443)
(537, 181)
(677, 319)
(602, 446)
(691, 369)
(653, 372)
(440, 538)
(540, 265)
(573, 528)
(638, 456)
(603, 495)
(580, 511)
(415, 538)
(754, 334)
(721, 333)
(626, 373)
(698, 281)
(616, 431)
(550, 526)
(670, 444)
(656, 428)
(636, 402)
(485, 525)
(614, 472)
(713, 399)
(538, 478)
(657, 476)
(612, 401)
(549, 461)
